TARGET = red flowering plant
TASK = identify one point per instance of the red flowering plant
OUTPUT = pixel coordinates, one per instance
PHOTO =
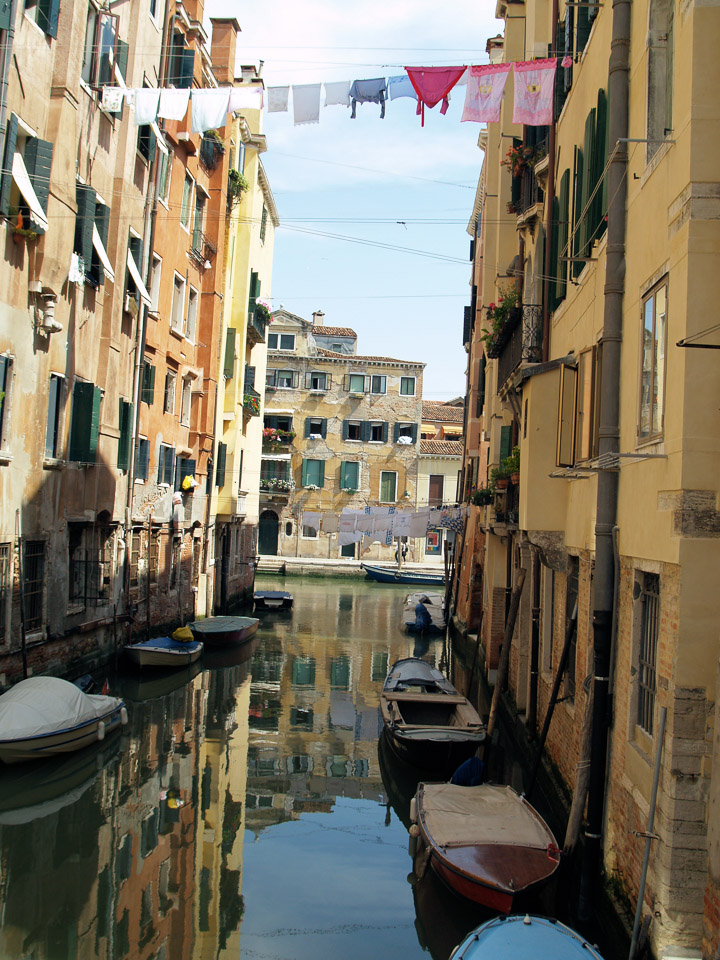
(498, 313)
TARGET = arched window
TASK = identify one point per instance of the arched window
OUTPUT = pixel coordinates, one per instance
(660, 73)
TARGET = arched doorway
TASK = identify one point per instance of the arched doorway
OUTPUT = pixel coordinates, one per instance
(268, 533)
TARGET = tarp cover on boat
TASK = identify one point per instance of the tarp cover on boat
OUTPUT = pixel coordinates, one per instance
(479, 815)
(42, 705)
(412, 671)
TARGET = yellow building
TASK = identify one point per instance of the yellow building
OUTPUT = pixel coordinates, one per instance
(440, 459)
(601, 233)
(252, 219)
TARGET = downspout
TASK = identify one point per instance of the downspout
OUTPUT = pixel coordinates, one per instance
(151, 205)
(7, 45)
(534, 646)
(609, 438)
(549, 199)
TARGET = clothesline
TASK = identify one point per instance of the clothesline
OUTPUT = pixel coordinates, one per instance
(429, 86)
(384, 524)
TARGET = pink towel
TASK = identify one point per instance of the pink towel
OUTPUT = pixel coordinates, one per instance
(484, 93)
(433, 84)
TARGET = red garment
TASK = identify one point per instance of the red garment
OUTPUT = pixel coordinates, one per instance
(433, 84)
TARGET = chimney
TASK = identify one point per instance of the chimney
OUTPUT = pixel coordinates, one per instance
(225, 32)
(318, 318)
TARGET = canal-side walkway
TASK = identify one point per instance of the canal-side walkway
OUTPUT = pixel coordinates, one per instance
(332, 567)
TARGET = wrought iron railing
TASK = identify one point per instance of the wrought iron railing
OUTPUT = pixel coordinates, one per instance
(523, 343)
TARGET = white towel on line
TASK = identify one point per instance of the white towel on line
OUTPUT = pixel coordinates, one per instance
(173, 103)
(306, 103)
(147, 100)
(338, 94)
(209, 109)
(248, 98)
(278, 99)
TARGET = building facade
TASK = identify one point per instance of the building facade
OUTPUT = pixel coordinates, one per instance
(594, 244)
(341, 431)
(440, 460)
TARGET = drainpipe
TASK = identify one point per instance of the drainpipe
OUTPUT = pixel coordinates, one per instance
(549, 198)
(7, 45)
(534, 646)
(609, 438)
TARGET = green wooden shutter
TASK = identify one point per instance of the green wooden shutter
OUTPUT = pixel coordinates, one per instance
(169, 465)
(505, 442)
(38, 161)
(125, 424)
(556, 266)
(85, 198)
(384, 432)
(229, 367)
(147, 393)
(122, 50)
(321, 478)
(345, 429)
(6, 181)
(601, 154)
(186, 67)
(568, 34)
(563, 234)
(365, 431)
(323, 427)
(304, 473)
(559, 93)
(307, 426)
(586, 236)
(94, 425)
(414, 432)
(81, 421)
(584, 22)
(577, 265)
(221, 465)
(344, 475)
(5, 11)
(481, 382)
(51, 437)
(102, 222)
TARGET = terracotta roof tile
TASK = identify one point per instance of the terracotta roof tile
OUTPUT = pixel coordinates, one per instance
(443, 448)
(441, 411)
(332, 354)
(334, 332)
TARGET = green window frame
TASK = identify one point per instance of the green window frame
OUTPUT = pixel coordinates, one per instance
(125, 424)
(166, 464)
(350, 475)
(313, 473)
(407, 386)
(388, 486)
(85, 422)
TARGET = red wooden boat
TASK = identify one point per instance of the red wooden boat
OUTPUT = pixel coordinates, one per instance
(486, 843)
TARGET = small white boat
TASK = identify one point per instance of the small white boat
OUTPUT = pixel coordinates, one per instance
(273, 600)
(164, 652)
(44, 716)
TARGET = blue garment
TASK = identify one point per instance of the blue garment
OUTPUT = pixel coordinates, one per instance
(423, 618)
(400, 87)
(369, 91)
(470, 773)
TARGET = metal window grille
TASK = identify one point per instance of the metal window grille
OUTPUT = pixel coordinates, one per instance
(134, 557)
(5, 574)
(33, 583)
(647, 660)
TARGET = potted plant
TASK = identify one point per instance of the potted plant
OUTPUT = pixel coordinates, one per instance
(481, 497)
(511, 465)
(498, 315)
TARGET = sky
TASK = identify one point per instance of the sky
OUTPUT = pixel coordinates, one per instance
(391, 184)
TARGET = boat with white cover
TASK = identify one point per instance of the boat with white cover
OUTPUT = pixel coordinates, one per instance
(44, 716)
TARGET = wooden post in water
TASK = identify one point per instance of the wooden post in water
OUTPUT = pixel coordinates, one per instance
(505, 653)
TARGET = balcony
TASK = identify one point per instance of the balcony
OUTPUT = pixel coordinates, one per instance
(277, 441)
(276, 488)
(251, 403)
(211, 151)
(521, 341)
(203, 249)
(257, 325)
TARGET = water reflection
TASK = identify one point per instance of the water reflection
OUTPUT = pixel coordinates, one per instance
(247, 797)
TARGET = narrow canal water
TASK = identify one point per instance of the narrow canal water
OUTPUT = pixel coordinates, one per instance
(245, 811)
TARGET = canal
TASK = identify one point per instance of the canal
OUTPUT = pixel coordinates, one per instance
(245, 811)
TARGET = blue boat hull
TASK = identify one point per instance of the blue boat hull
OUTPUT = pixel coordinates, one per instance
(391, 575)
(524, 938)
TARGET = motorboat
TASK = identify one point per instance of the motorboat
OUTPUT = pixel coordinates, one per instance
(485, 842)
(164, 652)
(44, 716)
(384, 574)
(524, 938)
(427, 722)
(273, 600)
(224, 631)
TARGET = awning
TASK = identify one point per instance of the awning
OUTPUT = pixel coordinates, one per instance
(137, 279)
(22, 179)
(159, 138)
(275, 456)
(102, 253)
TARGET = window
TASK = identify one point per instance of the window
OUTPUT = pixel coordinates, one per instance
(198, 223)
(185, 401)
(309, 533)
(25, 180)
(91, 233)
(33, 583)
(192, 308)
(584, 439)
(155, 275)
(182, 62)
(281, 341)
(407, 386)
(184, 467)
(178, 303)
(186, 200)
(170, 383)
(44, 13)
(378, 384)
(105, 54)
(652, 378)
(661, 55)
(142, 459)
(565, 451)
(221, 464)
(263, 223)
(165, 175)
(349, 475)
(6, 367)
(5, 588)
(388, 486)
(313, 473)
(241, 157)
(285, 379)
(135, 250)
(166, 464)
(125, 425)
(353, 429)
(146, 142)
(85, 422)
(436, 490)
(274, 472)
(378, 432)
(405, 432)
(356, 383)
(315, 427)
(317, 381)
(647, 653)
(337, 347)
(147, 384)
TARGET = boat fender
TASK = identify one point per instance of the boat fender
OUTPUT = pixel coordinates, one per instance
(412, 845)
(101, 731)
(123, 716)
(413, 810)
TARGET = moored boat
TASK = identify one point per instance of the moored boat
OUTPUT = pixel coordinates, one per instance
(486, 842)
(164, 652)
(427, 722)
(524, 938)
(224, 631)
(44, 716)
(273, 600)
(403, 575)
(434, 603)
